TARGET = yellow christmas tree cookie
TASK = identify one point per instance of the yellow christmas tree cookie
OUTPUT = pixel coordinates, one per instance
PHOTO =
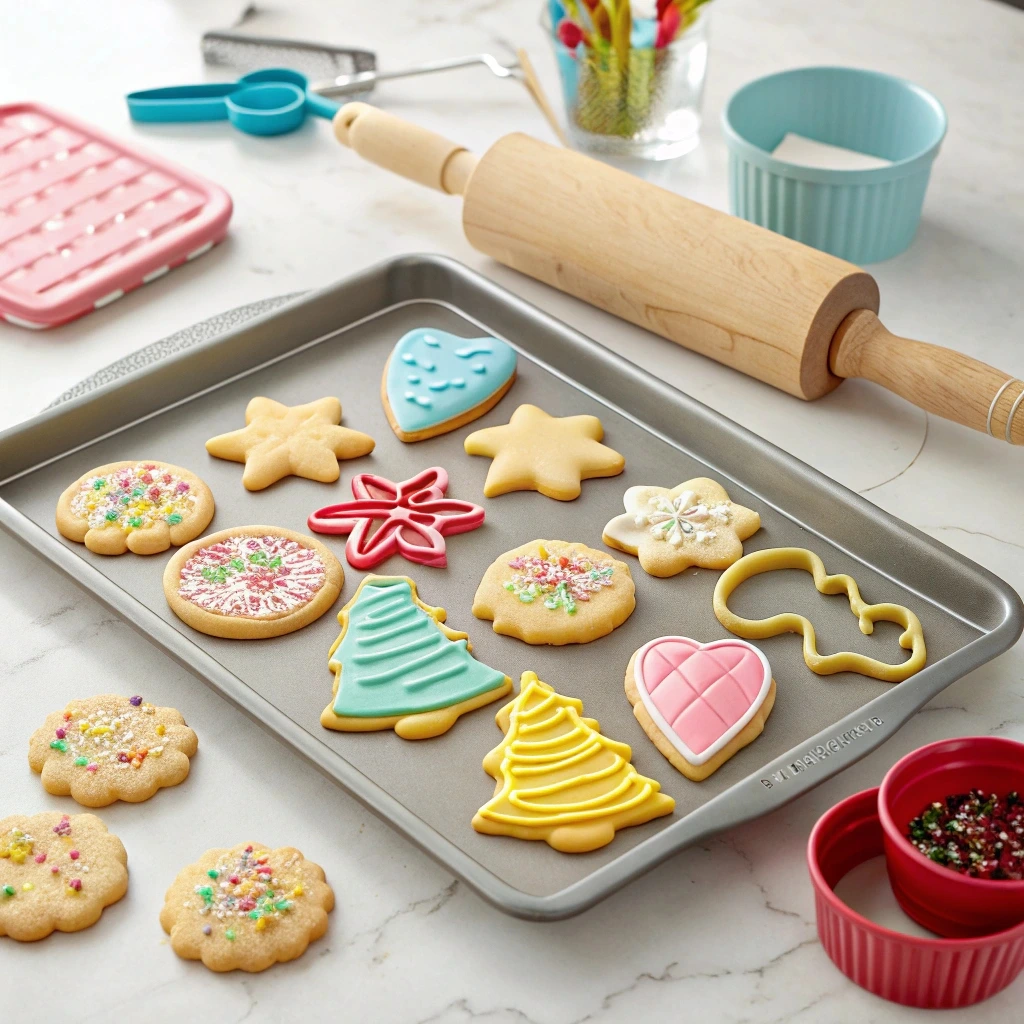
(560, 780)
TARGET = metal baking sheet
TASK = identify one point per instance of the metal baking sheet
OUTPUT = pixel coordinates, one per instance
(335, 342)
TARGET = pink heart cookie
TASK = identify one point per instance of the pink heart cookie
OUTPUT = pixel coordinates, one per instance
(706, 700)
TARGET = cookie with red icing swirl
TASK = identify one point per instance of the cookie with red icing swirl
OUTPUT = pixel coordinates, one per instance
(252, 581)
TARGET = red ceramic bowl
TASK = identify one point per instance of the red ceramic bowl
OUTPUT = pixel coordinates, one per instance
(929, 973)
(939, 899)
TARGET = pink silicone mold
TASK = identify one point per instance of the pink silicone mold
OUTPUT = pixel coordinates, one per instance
(85, 218)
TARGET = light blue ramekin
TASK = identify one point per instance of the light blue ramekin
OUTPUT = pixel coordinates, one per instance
(861, 216)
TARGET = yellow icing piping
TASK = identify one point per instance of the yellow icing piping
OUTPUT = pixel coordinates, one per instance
(769, 560)
(628, 788)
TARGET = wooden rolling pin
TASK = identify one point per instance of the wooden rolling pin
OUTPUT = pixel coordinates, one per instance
(778, 310)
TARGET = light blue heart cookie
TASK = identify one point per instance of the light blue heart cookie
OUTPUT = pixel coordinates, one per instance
(433, 379)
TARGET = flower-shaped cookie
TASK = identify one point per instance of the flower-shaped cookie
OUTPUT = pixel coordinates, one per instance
(143, 507)
(246, 908)
(290, 440)
(57, 873)
(692, 524)
(107, 748)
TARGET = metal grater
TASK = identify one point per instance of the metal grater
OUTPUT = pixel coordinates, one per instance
(244, 53)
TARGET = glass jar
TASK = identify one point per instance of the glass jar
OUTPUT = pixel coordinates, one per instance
(650, 108)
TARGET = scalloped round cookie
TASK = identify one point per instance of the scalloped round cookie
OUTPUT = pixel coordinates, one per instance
(247, 907)
(106, 748)
(140, 506)
(58, 872)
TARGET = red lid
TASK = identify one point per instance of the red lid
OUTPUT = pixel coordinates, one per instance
(930, 973)
(938, 898)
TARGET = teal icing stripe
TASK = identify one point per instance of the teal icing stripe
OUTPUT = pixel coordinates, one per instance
(408, 667)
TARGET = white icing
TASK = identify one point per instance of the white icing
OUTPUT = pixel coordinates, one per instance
(660, 721)
(677, 520)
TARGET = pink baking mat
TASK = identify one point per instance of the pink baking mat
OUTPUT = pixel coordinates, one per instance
(85, 218)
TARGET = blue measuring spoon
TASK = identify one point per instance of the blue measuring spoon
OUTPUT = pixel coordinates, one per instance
(268, 102)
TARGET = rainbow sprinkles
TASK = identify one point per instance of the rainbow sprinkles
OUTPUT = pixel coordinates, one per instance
(558, 581)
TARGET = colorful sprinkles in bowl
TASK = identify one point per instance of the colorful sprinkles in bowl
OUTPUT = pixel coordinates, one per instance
(977, 834)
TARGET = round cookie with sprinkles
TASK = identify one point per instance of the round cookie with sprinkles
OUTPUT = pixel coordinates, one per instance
(57, 873)
(554, 592)
(101, 749)
(251, 582)
(143, 507)
(247, 908)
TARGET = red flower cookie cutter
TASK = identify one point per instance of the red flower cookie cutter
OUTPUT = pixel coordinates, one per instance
(415, 514)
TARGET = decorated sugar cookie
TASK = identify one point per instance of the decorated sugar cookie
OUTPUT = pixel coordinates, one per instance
(550, 454)
(700, 703)
(58, 872)
(290, 440)
(247, 908)
(770, 559)
(143, 507)
(559, 779)
(554, 592)
(397, 666)
(414, 517)
(694, 523)
(101, 749)
(435, 382)
(251, 582)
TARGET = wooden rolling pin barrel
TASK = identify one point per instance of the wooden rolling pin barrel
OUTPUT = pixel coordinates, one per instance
(778, 310)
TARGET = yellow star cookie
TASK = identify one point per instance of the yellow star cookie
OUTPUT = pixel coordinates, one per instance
(672, 529)
(290, 440)
(550, 454)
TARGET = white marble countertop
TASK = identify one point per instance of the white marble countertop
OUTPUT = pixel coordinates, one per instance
(723, 932)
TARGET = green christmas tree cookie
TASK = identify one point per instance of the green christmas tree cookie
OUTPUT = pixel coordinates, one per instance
(396, 665)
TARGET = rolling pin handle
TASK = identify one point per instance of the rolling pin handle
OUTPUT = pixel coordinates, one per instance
(939, 380)
(406, 149)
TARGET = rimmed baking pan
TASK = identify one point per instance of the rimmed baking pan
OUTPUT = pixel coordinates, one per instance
(335, 342)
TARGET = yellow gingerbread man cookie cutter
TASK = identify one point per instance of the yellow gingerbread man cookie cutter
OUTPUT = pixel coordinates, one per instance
(770, 559)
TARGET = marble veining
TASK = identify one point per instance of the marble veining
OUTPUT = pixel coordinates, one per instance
(724, 932)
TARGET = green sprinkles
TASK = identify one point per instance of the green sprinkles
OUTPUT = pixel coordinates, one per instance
(230, 935)
(174, 519)
(61, 745)
(81, 761)
(9, 890)
(213, 873)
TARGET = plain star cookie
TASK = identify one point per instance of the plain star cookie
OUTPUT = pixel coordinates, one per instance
(554, 592)
(538, 452)
(143, 507)
(558, 779)
(58, 872)
(397, 666)
(251, 582)
(694, 523)
(297, 440)
(101, 749)
(700, 703)
(435, 382)
(246, 908)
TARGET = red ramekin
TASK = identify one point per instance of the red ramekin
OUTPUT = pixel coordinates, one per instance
(928, 973)
(938, 898)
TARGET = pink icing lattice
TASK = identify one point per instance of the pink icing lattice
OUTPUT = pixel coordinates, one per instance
(252, 577)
